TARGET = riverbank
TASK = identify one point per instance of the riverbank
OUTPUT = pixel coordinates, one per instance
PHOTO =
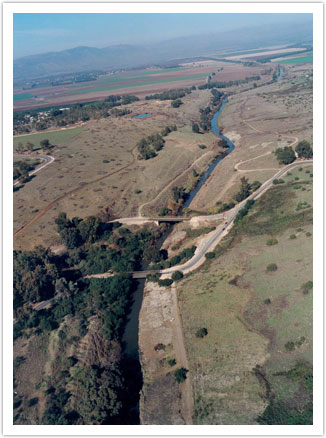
(162, 351)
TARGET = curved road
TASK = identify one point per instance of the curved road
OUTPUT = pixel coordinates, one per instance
(48, 159)
(215, 236)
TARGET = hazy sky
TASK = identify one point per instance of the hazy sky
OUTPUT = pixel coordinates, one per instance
(40, 33)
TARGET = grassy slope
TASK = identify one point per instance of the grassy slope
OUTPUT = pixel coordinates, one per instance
(243, 331)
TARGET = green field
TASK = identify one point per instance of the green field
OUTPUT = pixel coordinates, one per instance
(55, 138)
(23, 96)
(308, 58)
(126, 77)
(139, 84)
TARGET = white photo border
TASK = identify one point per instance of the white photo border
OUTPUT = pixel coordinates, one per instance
(188, 430)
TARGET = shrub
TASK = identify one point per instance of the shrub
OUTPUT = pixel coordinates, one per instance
(306, 287)
(272, 267)
(171, 362)
(202, 146)
(267, 301)
(296, 178)
(180, 375)
(271, 241)
(308, 234)
(33, 401)
(293, 236)
(159, 347)
(210, 255)
(166, 282)
(201, 333)
(289, 346)
(177, 275)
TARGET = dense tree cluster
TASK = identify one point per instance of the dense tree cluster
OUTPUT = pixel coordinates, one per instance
(149, 146)
(304, 149)
(285, 155)
(22, 169)
(35, 274)
(217, 84)
(170, 94)
(180, 258)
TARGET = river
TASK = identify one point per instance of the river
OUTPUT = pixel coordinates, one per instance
(130, 337)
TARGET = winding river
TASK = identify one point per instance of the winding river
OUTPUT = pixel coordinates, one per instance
(130, 338)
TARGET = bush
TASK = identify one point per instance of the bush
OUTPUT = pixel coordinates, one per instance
(307, 287)
(293, 236)
(271, 241)
(176, 103)
(289, 346)
(166, 282)
(33, 401)
(202, 146)
(171, 362)
(201, 333)
(267, 301)
(308, 234)
(177, 275)
(180, 375)
(159, 347)
(272, 267)
(210, 255)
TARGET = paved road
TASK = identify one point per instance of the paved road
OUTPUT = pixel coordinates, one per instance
(215, 236)
(47, 159)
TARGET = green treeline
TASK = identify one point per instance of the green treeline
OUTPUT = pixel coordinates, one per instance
(171, 94)
(218, 84)
(25, 121)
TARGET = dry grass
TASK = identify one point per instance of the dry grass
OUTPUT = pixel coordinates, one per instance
(227, 296)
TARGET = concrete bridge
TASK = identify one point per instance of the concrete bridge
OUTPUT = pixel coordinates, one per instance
(157, 219)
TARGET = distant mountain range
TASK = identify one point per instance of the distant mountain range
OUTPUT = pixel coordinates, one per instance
(82, 59)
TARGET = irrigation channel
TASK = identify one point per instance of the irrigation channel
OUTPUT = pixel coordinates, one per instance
(130, 337)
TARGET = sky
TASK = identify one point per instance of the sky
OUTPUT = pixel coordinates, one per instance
(41, 33)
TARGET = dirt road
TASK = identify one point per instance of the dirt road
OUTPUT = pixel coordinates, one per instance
(187, 405)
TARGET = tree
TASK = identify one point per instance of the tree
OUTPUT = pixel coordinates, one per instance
(61, 221)
(71, 237)
(195, 128)
(285, 155)
(223, 143)
(244, 190)
(45, 144)
(176, 103)
(303, 149)
(180, 375)
(201, 333)
(177, 275)
(178, 193)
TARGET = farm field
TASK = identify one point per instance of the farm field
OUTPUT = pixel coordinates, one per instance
(302, 59)
(140, 83)
(107, 147)
(258, 321)
(258, 121)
